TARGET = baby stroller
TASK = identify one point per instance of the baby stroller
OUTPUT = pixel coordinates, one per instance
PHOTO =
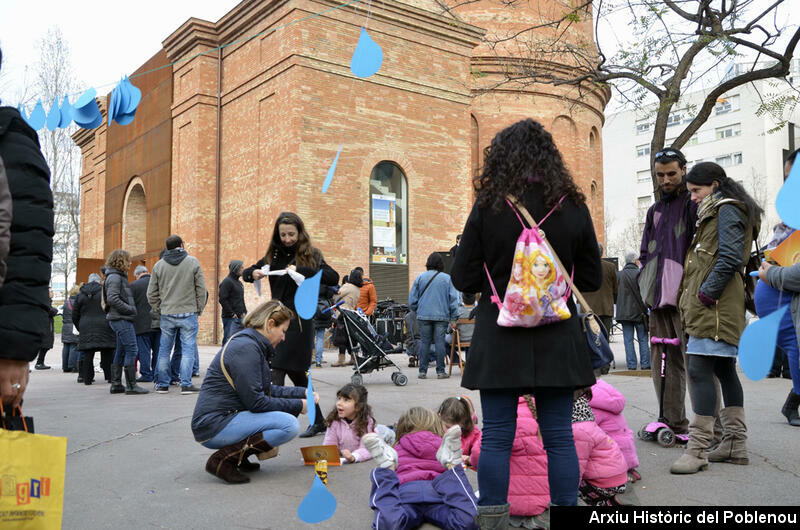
(364, 343)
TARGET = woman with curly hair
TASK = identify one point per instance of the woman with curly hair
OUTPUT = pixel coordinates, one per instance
(522, 164)
(291, 248)
(120, 311)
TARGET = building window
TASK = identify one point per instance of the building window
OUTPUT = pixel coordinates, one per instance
(692, 140)
(388, 200)
(643, 150)
(643, 204)
(727, 104)
(729, 131)
(733, 159)
(674, 119)
(642, 127)
(643, 176)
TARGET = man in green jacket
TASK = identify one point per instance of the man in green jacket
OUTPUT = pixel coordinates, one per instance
(177, 291)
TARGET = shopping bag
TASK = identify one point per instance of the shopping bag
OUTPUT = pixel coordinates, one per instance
(32, 470)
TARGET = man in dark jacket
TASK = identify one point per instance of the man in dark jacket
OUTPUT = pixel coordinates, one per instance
(631, 313)
(231, 298)
(24, 306)
(668, 231)
(147, 336)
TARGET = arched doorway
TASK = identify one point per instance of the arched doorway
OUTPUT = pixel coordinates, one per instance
(134, 219)
(388, 236)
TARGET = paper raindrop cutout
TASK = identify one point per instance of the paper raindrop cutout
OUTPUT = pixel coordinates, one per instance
(331, 170)
(786, 202)
(37, 117)
(123, 102)
(66, 113)
(757, 345)
(54, 116)
(86, 113)
(367, 58)
(312, 410)
(318, 505)
(305, 299)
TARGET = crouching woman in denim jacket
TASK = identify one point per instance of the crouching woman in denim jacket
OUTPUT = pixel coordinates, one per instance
(239, 411)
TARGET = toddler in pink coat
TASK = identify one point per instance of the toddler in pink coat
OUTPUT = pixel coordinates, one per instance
(607, 404)
(459, 411)
(349, 421)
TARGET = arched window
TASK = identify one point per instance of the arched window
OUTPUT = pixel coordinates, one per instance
(134, 219)
(388, 214)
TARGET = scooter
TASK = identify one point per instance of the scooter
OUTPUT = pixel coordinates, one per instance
(659, 430)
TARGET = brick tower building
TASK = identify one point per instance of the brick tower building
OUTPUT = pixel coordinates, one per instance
(226, 138)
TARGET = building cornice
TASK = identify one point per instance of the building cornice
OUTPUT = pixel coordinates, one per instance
(193, 33)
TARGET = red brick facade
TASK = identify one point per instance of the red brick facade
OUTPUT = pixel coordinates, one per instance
(270, 121)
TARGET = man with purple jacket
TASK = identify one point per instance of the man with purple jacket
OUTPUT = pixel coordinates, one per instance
(669, 228)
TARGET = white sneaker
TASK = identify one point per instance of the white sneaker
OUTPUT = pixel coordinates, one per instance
(449, 454)
(383, 455)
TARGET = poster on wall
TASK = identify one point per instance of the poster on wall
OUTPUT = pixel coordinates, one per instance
(384, 229)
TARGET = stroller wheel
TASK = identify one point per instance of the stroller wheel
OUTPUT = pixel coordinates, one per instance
(357, 380)
(399, 379)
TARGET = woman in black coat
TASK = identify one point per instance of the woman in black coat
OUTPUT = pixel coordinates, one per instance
(69, 350)
(291, 248)
(549, 361)
(95, 334)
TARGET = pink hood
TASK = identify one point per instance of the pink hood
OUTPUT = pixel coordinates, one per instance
(416, 456)
(607, 404)
(599, 457)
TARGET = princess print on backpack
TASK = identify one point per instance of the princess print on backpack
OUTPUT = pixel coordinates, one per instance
(537, 291)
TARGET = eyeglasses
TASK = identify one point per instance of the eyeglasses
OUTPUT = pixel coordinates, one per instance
(668, 153)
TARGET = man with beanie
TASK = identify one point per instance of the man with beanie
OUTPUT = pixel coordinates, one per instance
(231, 298)
(26, 235)
(668, 231)
(148, 335)
(177, 291)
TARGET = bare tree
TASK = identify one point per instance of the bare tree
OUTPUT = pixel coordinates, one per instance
(53, 79)
(649, 51)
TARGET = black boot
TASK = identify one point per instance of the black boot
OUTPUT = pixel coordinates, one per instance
(130, 381)
(314, 430)
(790, 408)
(116, 380)
(80, 371)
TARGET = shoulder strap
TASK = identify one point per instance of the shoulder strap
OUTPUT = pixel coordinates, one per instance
(222, 361)
(427, 284)
(567, 276)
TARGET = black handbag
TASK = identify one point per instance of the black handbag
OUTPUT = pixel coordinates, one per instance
(591, 325)
(13, 420)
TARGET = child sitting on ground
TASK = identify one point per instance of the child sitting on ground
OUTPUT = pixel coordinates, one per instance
(423, 479)
(607, 404)
(602, 466)
(459, 411)
(349, 421)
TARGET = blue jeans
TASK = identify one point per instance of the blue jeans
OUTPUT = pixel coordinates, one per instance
(432, 332)
(226, 327)
(768, 300)
(319, 334)
(644, 344)
(148, 344)
(170, 327)
(67, 357)
(276, 427)
(554, 408)
(127, 350)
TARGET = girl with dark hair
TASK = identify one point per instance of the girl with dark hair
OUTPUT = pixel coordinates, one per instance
(291, 248)
(435, 301)
(350, 420)
(550, 361)
(711, 302)
(458, 411)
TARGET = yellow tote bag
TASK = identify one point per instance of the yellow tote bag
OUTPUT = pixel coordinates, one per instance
(32, 468)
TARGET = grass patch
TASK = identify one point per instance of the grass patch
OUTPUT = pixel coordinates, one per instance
(57, 324)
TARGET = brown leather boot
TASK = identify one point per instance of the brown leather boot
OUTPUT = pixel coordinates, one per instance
(224, 462)
(733, 447)
(340, 362)
(256, 445)
(701, 432)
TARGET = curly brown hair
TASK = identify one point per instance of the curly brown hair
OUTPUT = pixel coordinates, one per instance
(306, 254)
(519, 156)
(119, 259)
(358, 394)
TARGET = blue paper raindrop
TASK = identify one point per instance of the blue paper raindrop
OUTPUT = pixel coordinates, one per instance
(368, 56)
(312, 410)
(786, 202)
(85, 98)
(305, 299)
(54, 116)
(757, 345)
(331, 170)
(37, 117)
(318, 505)
(66, 113)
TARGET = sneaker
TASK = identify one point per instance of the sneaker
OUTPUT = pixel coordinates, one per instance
(162, 390)
(383, 455)
(191, 389)
(42, 366)
(318, 365)
(422, 375)
(449, 453)
(443, 375)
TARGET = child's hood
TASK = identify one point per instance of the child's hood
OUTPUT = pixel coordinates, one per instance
(421, 444)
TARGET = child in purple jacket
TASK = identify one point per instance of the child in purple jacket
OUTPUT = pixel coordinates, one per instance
(349, 421)
(421, 479)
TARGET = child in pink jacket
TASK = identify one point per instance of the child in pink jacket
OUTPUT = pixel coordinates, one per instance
(607, 404)
(349, 421)
(604, 471)
(459, 411)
